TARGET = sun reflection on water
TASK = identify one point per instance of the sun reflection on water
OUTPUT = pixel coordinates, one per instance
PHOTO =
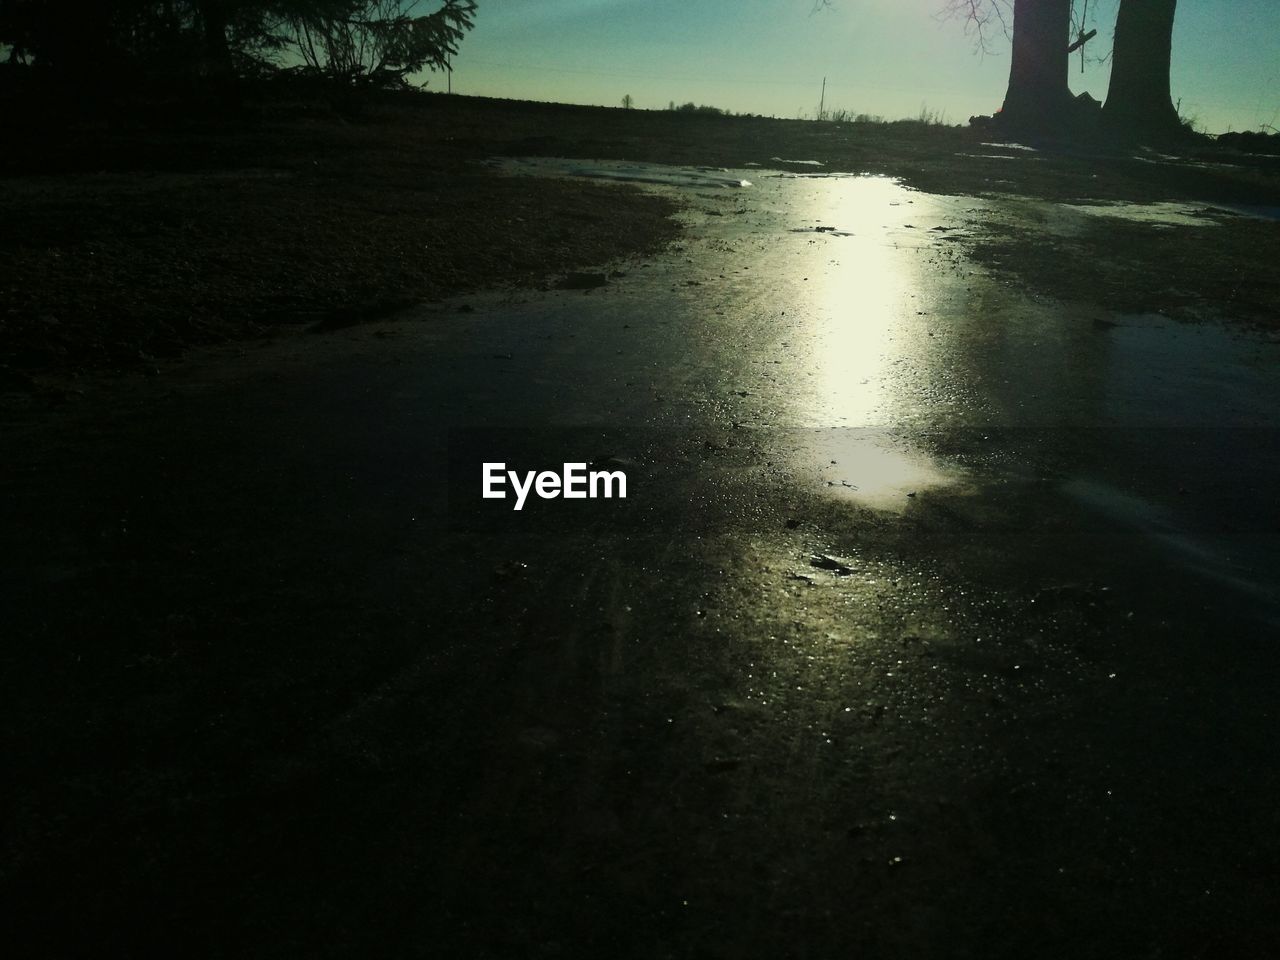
(870, 341)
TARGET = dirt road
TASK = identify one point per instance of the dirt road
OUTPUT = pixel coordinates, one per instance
(938, 619)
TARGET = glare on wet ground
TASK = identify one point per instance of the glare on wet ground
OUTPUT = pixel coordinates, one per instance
(873, 334)
(876, 468)
(892, 337)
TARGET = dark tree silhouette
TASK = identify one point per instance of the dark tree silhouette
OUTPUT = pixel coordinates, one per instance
(71, 35)
(1138, 99)
(214, 21)
(19, 29)
(1038, 95)
(102, 42)
(378, 42)
(96, 39)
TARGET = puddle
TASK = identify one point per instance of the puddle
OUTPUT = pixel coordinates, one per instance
(1069, 219)
(851, 324)
(868, 337)
(1189, 448)
(1166, 159)
(1248, 210)
(1162, 373)
(1164, 214)
(869, 293)
(874, 468)
(798, 163)
(828, 231)
(1246, 567)
(623, 172)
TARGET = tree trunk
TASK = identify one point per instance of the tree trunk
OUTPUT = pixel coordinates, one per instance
(1138, 99)
(217, 52)
(1038, 96)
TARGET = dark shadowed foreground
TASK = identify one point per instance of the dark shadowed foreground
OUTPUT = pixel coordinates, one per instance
(939, 618)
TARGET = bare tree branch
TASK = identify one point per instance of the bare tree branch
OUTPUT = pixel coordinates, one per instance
(982, 20)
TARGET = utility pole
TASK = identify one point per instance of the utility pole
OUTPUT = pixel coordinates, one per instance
(822, 100)
(448, 68)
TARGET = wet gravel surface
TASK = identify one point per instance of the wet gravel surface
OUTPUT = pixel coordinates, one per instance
(938, 620)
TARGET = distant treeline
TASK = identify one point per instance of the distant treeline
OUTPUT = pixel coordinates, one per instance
(700, 109)
(368, 42)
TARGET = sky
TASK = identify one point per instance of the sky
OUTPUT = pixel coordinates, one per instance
(890, 58)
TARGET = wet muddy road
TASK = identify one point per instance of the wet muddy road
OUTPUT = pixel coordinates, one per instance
(937, 621)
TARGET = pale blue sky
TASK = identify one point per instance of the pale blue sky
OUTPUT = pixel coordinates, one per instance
(886, 57)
